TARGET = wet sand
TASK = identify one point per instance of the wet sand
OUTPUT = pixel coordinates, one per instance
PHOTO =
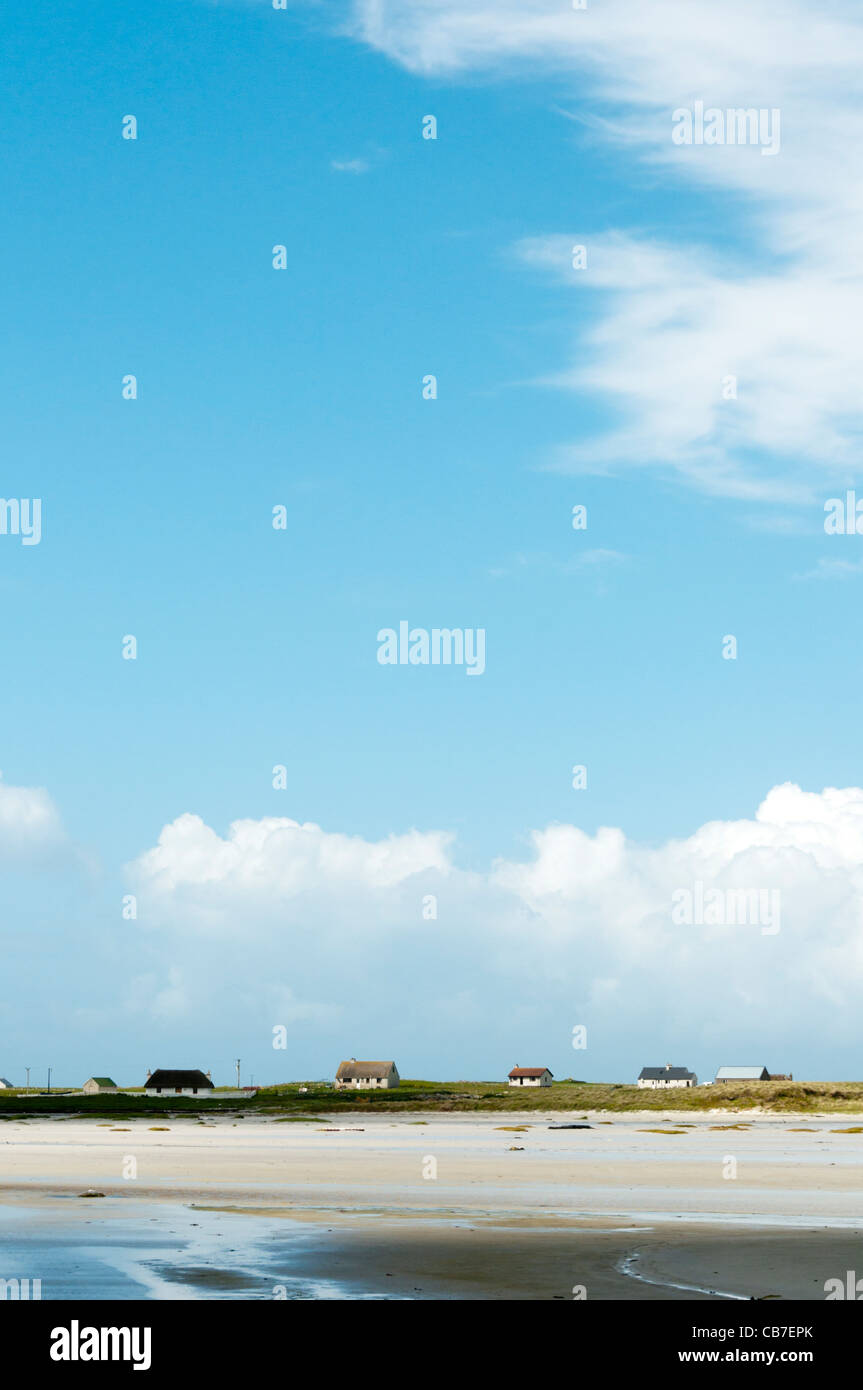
(452, 1207)
(189, 1253)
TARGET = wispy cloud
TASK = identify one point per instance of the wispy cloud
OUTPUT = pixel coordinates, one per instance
(676, 320)
(833, 568)
(599, 557)
(350, 166)
(597, 560)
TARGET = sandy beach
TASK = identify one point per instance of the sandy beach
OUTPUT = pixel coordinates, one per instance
(641, 1206)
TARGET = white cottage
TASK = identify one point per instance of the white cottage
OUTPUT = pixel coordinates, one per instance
(177, 1083)
(660, 1078)
(366, 1076)
(530, 1076)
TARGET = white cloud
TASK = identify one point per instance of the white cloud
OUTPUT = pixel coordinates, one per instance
(833, 567)
(277, 856)
(30, 824)
(326, 932)
(676, 327)
(675, 319)
(350, 166)
(599, 558)
(625, 50)
(171, 1000)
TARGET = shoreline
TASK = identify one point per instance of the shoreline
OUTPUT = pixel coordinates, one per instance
(190, 1253)
(447, 1207)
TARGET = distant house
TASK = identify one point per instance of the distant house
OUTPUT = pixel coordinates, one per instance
(98, 1085)
(6, 1085)
(366, 1076)
(781, 1076)
(177, 1083)
(743, 1074)
(660, 1078)
(530, 1076)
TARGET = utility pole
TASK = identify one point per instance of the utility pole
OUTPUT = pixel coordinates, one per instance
(49, 1081)
(27, 1069)
(238, 1073)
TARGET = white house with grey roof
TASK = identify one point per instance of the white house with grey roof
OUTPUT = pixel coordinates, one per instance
(366, 1076)
(671, 1077)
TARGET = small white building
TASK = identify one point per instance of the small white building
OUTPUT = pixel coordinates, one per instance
(660, 1078)
(530, 1076)
(366, 1076)
(99, 1086)
(6, 1085)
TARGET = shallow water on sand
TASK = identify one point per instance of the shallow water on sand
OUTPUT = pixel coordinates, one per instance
(157, 1252)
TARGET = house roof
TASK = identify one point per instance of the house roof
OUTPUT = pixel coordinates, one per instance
(185, 1080)
(103, 1081)
(742, 1074)
(666, 1073)
(353, 1070)
(529, 1071)
(7, 1085)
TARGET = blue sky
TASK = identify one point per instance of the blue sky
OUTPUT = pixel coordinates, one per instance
(258, 647)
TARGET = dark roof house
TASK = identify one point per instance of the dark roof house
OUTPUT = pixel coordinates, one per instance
(176, 1082)
(666, 1076)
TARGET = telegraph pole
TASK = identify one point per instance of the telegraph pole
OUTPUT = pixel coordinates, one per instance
(49, 1081)
(27, 1069)
(238, 1073)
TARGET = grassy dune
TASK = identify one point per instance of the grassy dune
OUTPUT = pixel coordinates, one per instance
(781, 1097)
(788, 1097)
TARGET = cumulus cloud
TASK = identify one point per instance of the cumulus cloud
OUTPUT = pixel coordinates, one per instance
(331, 931)
(607, 903)
(280, 856)
(282, 923)
(777, 307)
(30, 824)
